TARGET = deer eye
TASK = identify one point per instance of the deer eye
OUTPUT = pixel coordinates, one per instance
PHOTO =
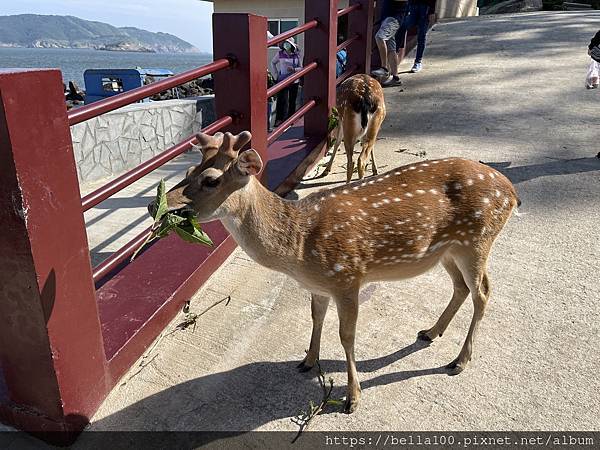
(211, 182)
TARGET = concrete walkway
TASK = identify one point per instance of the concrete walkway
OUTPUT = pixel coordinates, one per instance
(508, 90)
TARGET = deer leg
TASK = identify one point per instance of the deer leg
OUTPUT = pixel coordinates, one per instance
(352, 132)
(476, 278)
(318, 306)
(461, 291)
(349, 146)
(374, 166)
(369, 143)
(336, 146)
(347, 308)
(367, 150)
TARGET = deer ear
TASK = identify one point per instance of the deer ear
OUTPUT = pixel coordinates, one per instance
(249, 162)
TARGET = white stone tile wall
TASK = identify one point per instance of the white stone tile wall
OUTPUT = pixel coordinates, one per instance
(113, 143)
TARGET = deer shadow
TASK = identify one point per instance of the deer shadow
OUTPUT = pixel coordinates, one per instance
(556, 166)
(244, 398)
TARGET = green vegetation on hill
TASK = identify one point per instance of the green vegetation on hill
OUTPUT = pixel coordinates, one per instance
(32, 30)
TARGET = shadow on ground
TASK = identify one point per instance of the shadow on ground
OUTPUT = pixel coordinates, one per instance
(248, 396)
(556, 166)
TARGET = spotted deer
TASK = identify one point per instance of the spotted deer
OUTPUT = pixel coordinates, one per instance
(361, 110)
(394, 226)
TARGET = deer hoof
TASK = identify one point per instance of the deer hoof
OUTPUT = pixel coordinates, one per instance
(350, 406)
(423, 335)
(302, 367)
(454, 368)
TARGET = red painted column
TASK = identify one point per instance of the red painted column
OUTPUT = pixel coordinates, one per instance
(320, 45)
(52, 367)
(242, 91)
(361, 22)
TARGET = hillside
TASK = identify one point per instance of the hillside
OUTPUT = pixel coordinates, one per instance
(32, 30)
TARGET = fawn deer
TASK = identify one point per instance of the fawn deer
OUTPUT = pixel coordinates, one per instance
(394, 226)
(361, 110)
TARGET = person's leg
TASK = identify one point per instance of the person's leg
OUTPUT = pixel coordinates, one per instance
(293, 97)
(392, 79)
(387, 31)
(282, 98)
(422, 18)
(383, 56)
(408, 22)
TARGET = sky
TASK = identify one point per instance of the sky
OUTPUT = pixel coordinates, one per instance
(189, 20)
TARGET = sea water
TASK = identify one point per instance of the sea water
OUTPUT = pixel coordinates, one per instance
(73, 62)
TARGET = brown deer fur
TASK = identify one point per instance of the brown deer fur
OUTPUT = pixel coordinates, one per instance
(361, 110)
(393, 226)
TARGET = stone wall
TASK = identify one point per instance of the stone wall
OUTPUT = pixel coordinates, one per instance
(109, 145)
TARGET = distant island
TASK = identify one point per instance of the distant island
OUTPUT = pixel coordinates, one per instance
(40, 31)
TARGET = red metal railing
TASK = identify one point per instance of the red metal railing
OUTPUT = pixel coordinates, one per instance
(277, 132)
(348, 10)
(274, 90)
(83, 337)
(110, 104)
(109, 189)
(293, 32)
(118, 184)
(101, 107)
(93, 110)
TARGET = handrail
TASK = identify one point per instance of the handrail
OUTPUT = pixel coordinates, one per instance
(293, 32)
(118, 257)
(349, 9)
(348, 73)
(291, 121)
(347, 42)
(274, 90)
(95, 109)
(118, 184)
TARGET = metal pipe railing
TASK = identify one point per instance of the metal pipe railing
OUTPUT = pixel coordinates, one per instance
(348, 42)
(348, 10)
(290, 121)
(291, 33)
(348, 73)
(274, 90)
(118, 184)
(118, 257)
(111, 103)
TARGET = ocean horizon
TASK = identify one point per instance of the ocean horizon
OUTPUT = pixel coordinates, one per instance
(73, 62)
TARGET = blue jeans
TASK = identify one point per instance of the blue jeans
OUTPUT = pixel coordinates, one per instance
(418, 16)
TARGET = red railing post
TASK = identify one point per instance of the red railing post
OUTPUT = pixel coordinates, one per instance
(241, 92)
(361, 22)
(52, 365)
(320, 45)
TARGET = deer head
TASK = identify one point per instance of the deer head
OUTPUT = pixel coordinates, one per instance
(222, 171)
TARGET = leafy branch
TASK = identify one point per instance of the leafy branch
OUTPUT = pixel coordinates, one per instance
(186, 226)
(304, 418)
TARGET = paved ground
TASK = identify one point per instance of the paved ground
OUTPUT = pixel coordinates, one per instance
(508, 90)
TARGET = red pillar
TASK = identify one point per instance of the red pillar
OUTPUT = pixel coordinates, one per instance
(361, 22)
(242, 90)
(320, 45)
(52, 369)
